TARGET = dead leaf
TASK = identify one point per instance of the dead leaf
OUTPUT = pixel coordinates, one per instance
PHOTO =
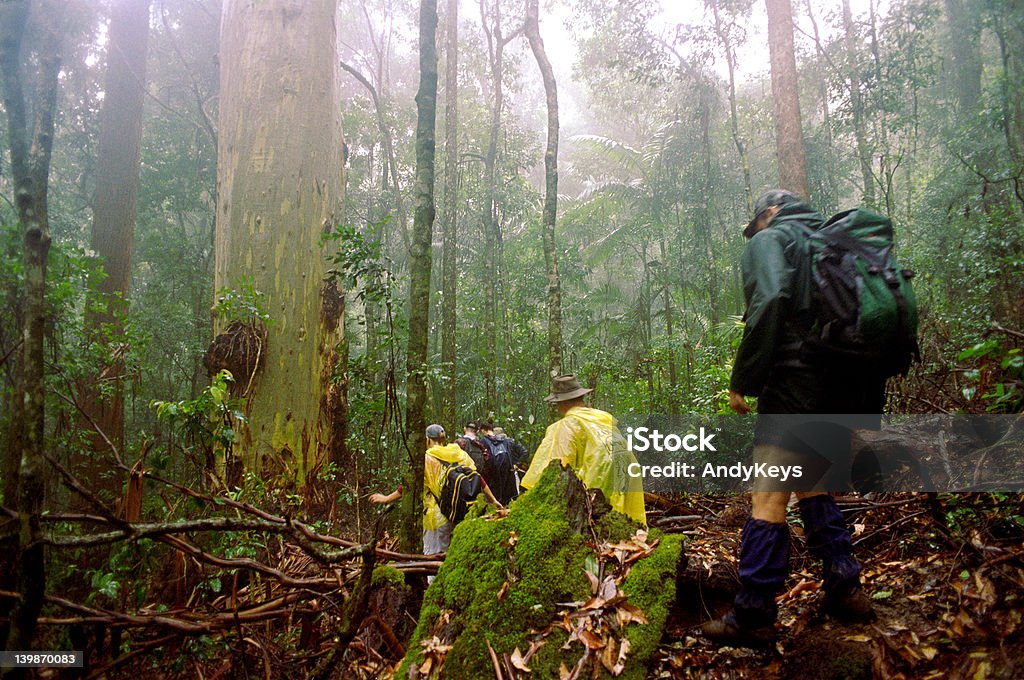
(609, 655)
(426, 666)
(591, 639)
(628, 613)
(608, 589)
(621, 663)
(518, 661)
(857, 638)
(503, 591)
(594, 583)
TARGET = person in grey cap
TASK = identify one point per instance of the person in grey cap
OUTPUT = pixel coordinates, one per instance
(777, 287)
(437, 530)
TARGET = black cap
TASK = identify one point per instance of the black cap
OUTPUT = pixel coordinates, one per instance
(767, 200)
(472, 425)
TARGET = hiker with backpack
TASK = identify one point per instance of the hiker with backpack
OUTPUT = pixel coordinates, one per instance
(450, 483)
(589, 441)
(472, 444)
(503, 451)
(828, 318)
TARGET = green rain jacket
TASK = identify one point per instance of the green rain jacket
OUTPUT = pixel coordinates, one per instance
(776, 285)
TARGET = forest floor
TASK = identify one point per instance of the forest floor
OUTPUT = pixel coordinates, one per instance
(947, 582)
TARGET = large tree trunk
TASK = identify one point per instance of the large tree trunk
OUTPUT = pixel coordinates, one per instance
(532, 30)
(965, 56)
(419, 277)
(789, 139)
(280, 187)
(114, 211)
(22, 566)
(451, 211)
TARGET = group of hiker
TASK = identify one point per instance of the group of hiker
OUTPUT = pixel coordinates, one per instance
(829, 317)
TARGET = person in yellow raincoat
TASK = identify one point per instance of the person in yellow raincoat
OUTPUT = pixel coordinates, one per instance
(437, 530)
(589, 441)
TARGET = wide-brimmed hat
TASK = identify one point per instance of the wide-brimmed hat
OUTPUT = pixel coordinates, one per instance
(765, 201)
(566, 387)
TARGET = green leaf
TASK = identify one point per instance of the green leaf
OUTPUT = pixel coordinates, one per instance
(882, 595)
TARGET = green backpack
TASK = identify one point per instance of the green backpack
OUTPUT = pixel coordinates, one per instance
(863, 303)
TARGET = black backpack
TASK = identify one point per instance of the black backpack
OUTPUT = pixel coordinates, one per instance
(865, 312)
(461, 485)
(500, 475)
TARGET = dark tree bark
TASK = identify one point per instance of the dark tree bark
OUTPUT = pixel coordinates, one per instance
(30, 167)
(114, 213)
(789, 139)
(451, 205)
(419, 277)
(532, 30)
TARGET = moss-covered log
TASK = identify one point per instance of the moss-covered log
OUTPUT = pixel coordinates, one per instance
(561, 576)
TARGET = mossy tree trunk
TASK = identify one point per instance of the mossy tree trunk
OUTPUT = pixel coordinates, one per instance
(23, 565)
(280, 181)
(451, 211)
(532, 30)
(419, 277)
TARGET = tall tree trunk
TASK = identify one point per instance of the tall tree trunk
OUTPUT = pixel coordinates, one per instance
(666, 291)
(857, 105)
(789, 139)
(24, 567)
(451, 211)
(830, 166)
(496, 42)
(113, 226)
(387, 142)
(419, 277)
(280, 176)
(730, 60)
(964, 57)
(532, 30)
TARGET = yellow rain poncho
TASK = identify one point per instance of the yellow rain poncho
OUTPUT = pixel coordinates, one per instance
(433, 480)
(588, 441)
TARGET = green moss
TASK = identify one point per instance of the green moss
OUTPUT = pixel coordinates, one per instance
(651, 587)
(535, 550)
(384, 575)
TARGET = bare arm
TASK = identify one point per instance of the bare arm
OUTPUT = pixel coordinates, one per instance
(380, 499)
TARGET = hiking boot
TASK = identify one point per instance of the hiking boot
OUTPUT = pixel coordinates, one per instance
(728, 634)
(854, 606)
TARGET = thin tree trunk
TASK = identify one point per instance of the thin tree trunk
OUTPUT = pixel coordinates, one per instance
(390, 164)
(451, 211)
(673, 378)
(30, 168)
(419, 277)
(857, 105)
(789, 139)
(741, 147)
(532, 30)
